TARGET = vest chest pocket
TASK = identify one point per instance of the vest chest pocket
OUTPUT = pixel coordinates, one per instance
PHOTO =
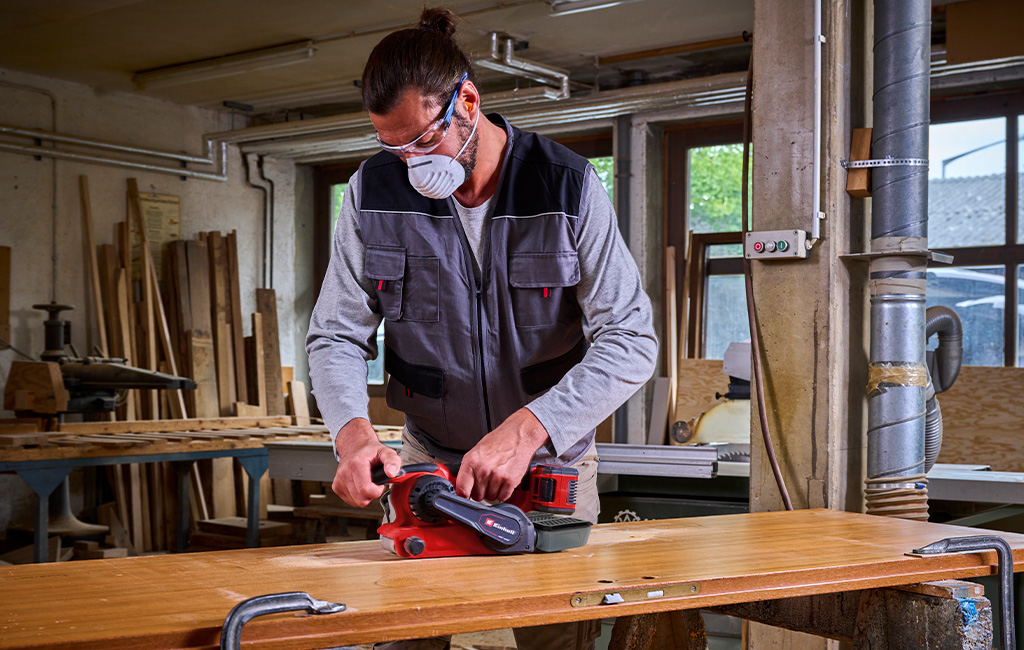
(542, 287)
(386, 268)
(407, 287)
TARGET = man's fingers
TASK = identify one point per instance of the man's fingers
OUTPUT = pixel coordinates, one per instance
(465, 482)
(388, 457)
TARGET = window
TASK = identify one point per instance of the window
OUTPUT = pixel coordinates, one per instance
(974, 184)
(704, 177)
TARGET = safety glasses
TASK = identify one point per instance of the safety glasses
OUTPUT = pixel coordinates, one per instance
(434, 135)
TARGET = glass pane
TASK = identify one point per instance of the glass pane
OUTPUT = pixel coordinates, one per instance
(976, 295)
(716, 175)
(726, 314)
(605, 168)
(337, 196)
(967, 184)
(1020, 179)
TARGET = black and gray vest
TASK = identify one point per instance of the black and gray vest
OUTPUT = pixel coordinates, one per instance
(463, 355)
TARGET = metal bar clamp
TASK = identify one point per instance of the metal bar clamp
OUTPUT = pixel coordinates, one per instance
(1004, 555)
(291, 601)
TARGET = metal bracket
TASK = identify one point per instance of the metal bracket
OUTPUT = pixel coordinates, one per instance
(633, 594)
(291, 601)
(1004, 555)
(937, 256)
(884, 162)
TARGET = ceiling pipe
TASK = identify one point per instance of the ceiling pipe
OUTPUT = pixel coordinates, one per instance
(507, 62)
(897, 376)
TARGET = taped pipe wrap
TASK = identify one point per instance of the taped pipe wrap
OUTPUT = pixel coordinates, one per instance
(884, 375)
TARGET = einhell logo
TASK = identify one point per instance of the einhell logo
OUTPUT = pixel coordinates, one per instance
(489, 522)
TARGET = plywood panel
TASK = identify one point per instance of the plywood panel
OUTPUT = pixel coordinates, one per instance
(181, 600)
(983, 418)
(699, 380)
(204, 372)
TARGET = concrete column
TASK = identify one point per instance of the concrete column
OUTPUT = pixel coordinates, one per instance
(803, 306)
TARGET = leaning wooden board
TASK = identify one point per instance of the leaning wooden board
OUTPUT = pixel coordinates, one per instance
(180, 601)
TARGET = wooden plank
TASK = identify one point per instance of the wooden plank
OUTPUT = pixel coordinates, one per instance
(204, 372)
(5, 293)
(92, 263)
(858, 180)
(164, 426)
(223, 488)
(135, 502)
(983, 30)
(982, 418)
(108, 266)
(671, 332)
(266, 305)
(658, 424)
(107, 515)
(256, 365)
(180, 297)
(198, 261)
(298, 403)
(40, 388)
(235, 302)
(221, 331)
(150, 360)
(148, 521)
(757, 556)
(127, 347)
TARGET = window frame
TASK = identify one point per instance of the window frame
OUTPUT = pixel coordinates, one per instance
(1008, 105)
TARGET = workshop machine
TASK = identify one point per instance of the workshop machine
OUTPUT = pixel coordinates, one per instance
(430, 520)
(61, 383)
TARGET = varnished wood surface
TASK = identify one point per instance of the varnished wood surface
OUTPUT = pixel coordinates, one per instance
(180, 601)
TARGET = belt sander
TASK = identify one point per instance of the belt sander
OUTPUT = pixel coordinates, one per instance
(430, 520)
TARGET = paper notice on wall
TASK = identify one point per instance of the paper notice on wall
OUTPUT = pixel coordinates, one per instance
(161, 213)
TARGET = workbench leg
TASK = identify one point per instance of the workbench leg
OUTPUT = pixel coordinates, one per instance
(182, 471)
(43, 482)
(945, 615)
(680, 630)
(255, 467)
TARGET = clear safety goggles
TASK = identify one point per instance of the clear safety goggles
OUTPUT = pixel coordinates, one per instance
(434, 135)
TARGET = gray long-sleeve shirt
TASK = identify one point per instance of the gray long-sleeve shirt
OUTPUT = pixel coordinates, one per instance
(616, 312)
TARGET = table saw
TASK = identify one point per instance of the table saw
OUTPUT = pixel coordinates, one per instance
(181, 601)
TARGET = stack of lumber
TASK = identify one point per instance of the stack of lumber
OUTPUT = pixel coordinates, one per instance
(191, 326)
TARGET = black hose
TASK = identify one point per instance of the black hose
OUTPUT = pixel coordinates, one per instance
(949, 354)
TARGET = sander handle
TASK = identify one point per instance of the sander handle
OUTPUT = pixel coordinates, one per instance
(380, 477)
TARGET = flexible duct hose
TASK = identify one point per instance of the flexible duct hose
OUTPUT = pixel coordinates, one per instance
(949, 355)
(947, 360)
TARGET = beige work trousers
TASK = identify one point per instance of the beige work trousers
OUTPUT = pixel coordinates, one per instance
(558, 636)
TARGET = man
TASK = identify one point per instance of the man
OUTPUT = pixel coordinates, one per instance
(515, 320)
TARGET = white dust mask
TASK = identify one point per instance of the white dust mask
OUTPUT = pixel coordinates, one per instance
(437, 176)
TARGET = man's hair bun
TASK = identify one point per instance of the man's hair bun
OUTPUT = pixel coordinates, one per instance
(438, 19)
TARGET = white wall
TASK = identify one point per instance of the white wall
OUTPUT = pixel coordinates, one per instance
(27, 201)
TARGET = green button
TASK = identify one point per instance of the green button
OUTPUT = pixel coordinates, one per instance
(783, 245)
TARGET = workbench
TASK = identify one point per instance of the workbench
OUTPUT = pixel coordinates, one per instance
(44, 466)
(181, 601)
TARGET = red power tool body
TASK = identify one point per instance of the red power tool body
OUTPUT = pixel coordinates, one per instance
(430, 520)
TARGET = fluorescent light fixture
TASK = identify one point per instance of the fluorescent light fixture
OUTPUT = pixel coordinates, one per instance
(225, 66)
(566, 7)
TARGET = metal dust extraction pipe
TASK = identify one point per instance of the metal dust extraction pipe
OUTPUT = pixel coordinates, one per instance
(897, 375)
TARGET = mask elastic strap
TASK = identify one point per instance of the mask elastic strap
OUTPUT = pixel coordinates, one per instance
(475, 122)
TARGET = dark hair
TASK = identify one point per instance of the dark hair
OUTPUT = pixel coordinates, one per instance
(425, 57)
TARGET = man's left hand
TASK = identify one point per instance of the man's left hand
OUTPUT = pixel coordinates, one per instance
(495, 466)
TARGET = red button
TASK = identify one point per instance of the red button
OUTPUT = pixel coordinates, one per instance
(758, 246)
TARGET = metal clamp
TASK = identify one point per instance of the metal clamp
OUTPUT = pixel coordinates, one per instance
(884, 162)
(291, 601)
(1004, 555)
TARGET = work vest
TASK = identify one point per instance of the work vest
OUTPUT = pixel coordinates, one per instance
(463, 355)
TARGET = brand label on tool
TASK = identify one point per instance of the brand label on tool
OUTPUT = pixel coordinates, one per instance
(499, 528)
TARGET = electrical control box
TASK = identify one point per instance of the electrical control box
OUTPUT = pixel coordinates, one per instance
(775, 245)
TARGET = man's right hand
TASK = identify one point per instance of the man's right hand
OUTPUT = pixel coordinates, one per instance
(360, 451)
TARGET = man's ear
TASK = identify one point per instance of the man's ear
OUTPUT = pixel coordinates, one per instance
(470, 96)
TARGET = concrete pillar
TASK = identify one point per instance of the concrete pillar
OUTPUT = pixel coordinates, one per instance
(804, 306)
